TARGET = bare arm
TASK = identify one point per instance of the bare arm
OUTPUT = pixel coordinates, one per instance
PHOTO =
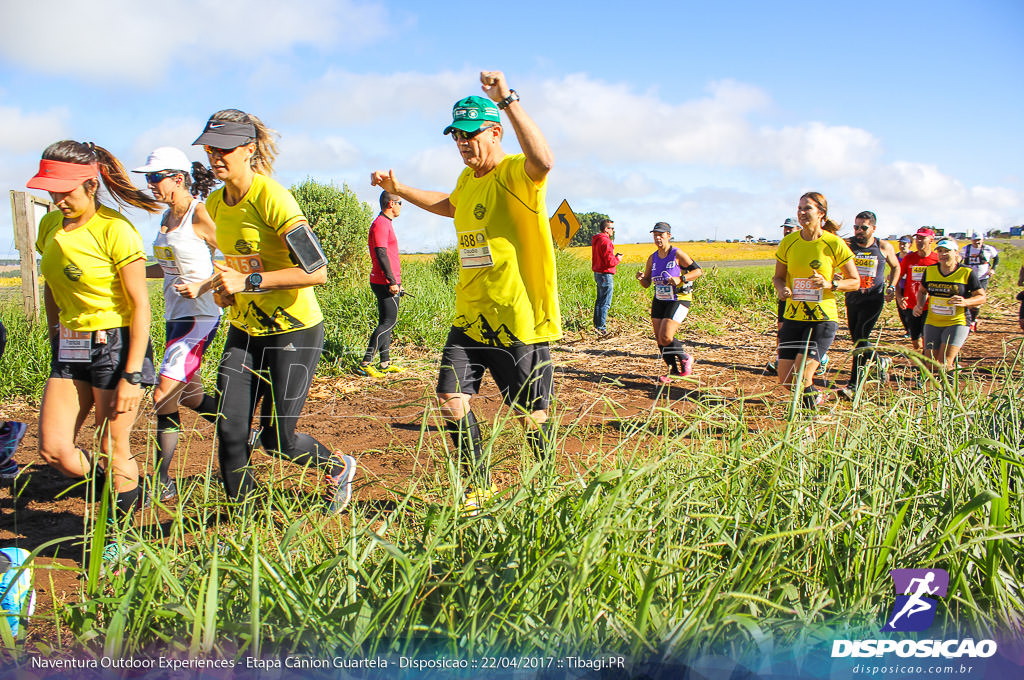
(231, 282)
(851, 279)
(894, 264)
(133, 281)
(684, 261)
(782, 291)
(432, 201)
(539, 159)
(644, 275)
(204, 226)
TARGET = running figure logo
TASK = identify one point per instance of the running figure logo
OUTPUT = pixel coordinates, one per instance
(914, 610)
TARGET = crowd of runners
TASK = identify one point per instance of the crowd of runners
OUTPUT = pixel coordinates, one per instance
(506, 301)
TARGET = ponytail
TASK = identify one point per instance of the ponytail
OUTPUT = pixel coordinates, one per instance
(119, 183)
(831, 226)
(203, 180)
(115, 177)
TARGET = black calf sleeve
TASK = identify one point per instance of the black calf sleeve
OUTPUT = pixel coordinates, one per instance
(468, 441)
(168, 425)
(208, 408)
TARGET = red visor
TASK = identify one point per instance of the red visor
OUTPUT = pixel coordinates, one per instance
(60, 176)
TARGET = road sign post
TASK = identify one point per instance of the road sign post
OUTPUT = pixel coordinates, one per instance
(564, 224)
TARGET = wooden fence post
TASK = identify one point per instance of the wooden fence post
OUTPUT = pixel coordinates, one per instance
(24, 218)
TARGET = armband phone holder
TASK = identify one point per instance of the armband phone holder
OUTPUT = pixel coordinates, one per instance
(305, 249)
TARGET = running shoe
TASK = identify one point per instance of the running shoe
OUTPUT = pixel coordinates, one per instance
(882, 366)
(342, 483)
(848, 392)
(391, 368)
(772, 368)
(16, 588)
(687, 365)
(664, 379)
(812, 398)
(168, 491)
(254, 439)
(10, 436)
(974, 326)
(368, 371)
(477, 498)
(822, 367)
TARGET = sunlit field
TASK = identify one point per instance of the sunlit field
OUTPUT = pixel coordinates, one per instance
(687, 527)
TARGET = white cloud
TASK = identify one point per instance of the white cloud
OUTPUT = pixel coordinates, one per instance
(125, 40)
(23, 132)
(344, 98)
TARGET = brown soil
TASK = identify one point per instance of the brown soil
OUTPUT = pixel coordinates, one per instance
(600, 383)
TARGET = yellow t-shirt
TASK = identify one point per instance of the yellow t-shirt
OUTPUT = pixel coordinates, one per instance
(82, 266)
(961, 281)
(508, 291)
(249, 234)
(802, 258)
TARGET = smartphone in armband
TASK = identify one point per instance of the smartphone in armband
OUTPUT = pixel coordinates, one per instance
(305, 249)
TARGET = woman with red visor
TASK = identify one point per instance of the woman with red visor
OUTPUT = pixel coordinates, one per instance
(97, 310)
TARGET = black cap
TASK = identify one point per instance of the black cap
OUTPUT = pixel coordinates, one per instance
(661, 228)
(226, 134)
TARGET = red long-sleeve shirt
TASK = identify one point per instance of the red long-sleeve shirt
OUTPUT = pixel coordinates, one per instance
(602, 254)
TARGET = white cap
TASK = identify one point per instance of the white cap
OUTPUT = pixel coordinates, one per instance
(976, 234)
(166, 158)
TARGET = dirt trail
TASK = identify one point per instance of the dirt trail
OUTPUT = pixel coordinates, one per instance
(600, 384)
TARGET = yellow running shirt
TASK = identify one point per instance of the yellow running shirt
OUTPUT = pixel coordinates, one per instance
(507, 292)
(961, 281)
(249, 234)
(82, 266)
(826, 255)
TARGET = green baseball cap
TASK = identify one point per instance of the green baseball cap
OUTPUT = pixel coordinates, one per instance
(471, 113)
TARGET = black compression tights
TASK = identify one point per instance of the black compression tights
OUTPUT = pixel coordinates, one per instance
(279, 370)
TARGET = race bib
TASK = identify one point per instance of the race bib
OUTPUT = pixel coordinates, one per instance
(942, 310)
(664, 291)
(917, 272)
(246, 264)
(74, 346)
(804, 291)
(165, 256)
(867, 266)
(474, 253)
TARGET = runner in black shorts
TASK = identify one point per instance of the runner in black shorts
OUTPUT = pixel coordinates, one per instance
(506, 312)
(672, 272)
(805, 268)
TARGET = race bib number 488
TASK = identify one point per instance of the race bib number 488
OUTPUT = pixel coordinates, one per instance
(474, 253)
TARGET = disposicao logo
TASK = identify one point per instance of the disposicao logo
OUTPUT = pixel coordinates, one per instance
(914, 611)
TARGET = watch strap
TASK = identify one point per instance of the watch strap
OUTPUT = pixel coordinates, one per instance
(513, 96)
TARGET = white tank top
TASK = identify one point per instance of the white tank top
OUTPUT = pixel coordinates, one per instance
(185, 258)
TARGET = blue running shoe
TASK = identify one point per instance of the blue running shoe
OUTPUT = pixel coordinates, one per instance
(17, 599)
(11, 433)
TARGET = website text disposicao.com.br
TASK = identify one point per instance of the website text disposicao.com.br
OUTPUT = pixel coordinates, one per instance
(914, 670)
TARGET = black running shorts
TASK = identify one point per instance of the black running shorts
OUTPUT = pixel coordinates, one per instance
(106, 361)
(523, 373)
(812, 337)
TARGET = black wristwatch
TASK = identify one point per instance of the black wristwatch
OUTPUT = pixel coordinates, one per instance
(513, 96)
(835, 285)
(253, 281)
(132, 378)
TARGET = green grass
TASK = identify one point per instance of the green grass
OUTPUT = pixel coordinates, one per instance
(678, 542)
(700, 529)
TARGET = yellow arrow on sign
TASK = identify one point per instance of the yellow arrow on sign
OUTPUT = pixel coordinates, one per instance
(564, 224)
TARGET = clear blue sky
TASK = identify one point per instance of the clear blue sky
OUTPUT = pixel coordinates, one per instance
(714, 117)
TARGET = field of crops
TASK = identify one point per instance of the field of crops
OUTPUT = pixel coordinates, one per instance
(668, 522)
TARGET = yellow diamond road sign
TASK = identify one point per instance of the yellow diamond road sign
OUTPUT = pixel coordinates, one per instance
(564, 224)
